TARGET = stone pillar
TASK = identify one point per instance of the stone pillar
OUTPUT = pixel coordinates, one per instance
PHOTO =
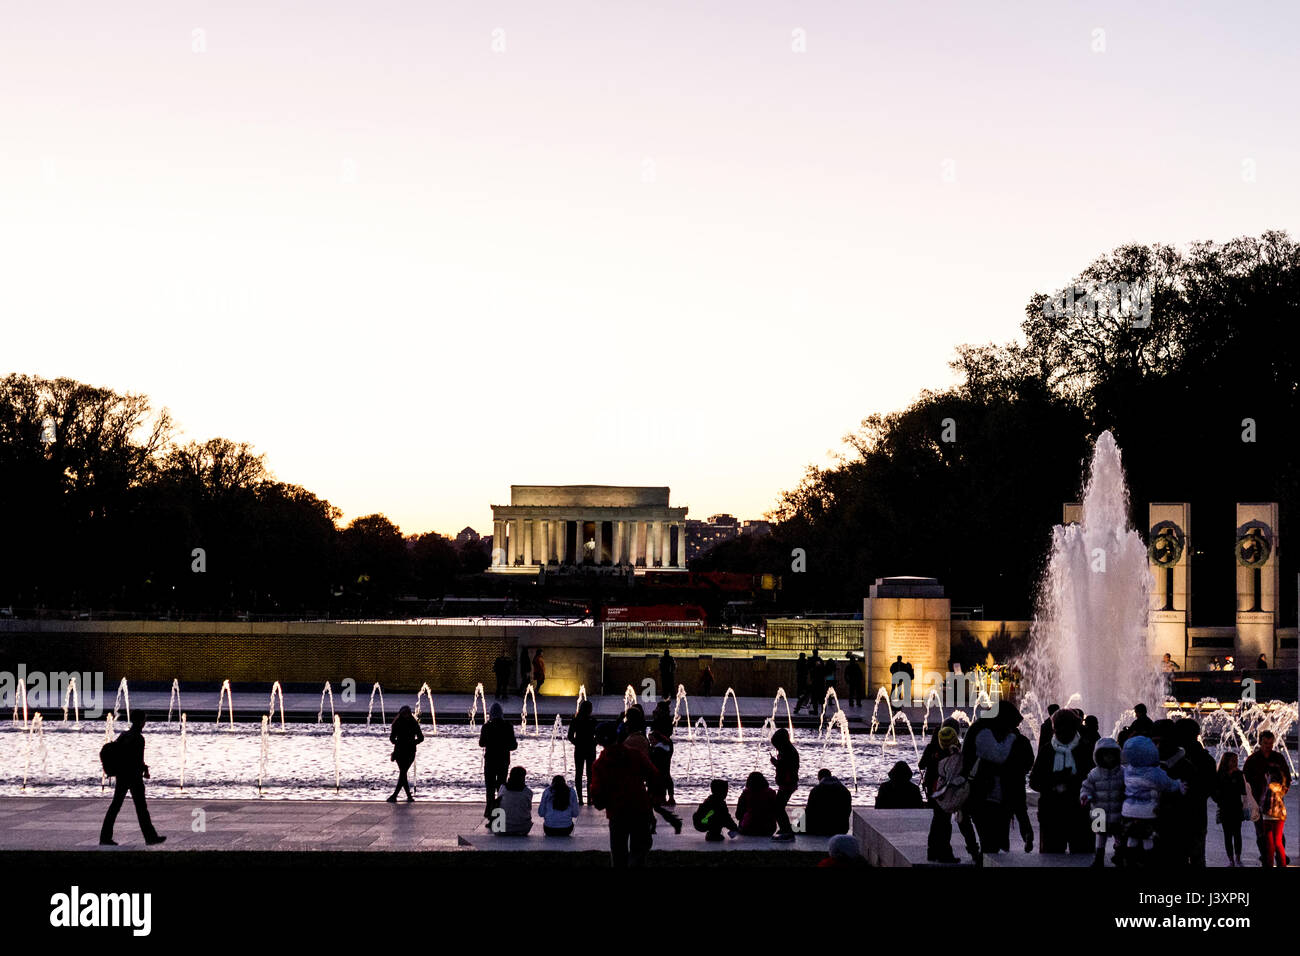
(598, 529)
(1258, 583)
(681, 544)
(512, 540)
(629, 534)
(911, 617)
(529, 528)
(498, 543)
(1169, 556)
(665, 559)
(580, 552)
(557, 540)
(618, 544)
(546, 543)
(651, 539)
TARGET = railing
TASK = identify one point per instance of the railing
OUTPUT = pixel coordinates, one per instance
(808, 635)
(785, 635)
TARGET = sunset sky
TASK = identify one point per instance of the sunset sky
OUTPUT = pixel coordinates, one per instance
(667, 243)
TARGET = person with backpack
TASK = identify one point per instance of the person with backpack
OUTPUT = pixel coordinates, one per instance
(713, 815)
(951, 792)
(123, 760)
(1103, 790)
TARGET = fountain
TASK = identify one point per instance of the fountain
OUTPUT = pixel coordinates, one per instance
(72, 696)
(937, 699)
(557, 731)
(740, 731)
(1089, 635)
(35, 736)
(831, 695)
(222, 695)
(320, 714)
(478, 696)
(183, 723)
(20, 700)
(174, 699)
(383, 716)
(703, 725)
(338, 743)
(677, 703)
(123, 695)
(276, 689)
(781, 698)
(266, 736)
(764, 735)
(108, 735)
(425, 693)
(840, 720)
(523, 711)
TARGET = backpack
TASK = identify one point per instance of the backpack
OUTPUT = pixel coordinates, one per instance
(952, 788)
(110, 758)
(701, 817)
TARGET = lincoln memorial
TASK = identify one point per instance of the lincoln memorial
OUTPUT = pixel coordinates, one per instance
(593, 525)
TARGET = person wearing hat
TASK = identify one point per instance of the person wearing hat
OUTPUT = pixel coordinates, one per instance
(898, 792)
(947, 799)
(843, 850)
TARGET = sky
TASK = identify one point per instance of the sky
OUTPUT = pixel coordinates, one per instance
(416, 252)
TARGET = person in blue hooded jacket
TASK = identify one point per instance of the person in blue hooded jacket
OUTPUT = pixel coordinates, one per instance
(1144, 781)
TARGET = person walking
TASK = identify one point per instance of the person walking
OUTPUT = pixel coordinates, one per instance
(1200, 787)
(539, 671)
(1258, 766)
(995, 758)
(618, 786)
(558, 808)
(1102, 792)
(405, 736)
(1230, 798)
(949, 798)
(786, 763)
(853, 678)
(124, 761)
(667, 675)
(502, 667)
(497, 738)
(582, 734)
(706, 681)
(1272, 814)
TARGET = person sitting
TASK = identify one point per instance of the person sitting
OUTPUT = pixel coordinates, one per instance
(713, 815)
(559, 807)
(842, 850)
(830, 806)
(757, 807)
(515, 801)
(898, 792)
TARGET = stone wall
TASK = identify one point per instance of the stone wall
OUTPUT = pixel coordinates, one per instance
(451, 658)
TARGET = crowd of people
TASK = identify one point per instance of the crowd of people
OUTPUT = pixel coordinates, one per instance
(1145, 793)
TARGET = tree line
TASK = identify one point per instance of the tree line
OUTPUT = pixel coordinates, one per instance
(104, 511)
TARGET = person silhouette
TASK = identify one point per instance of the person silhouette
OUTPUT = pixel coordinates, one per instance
(497, 738)
(130, 774)
(406, 736)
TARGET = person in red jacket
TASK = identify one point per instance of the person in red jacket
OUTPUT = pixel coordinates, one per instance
(758, 807)
(619, 779)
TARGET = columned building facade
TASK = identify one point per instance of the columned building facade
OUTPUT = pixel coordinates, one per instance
(587, 525)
